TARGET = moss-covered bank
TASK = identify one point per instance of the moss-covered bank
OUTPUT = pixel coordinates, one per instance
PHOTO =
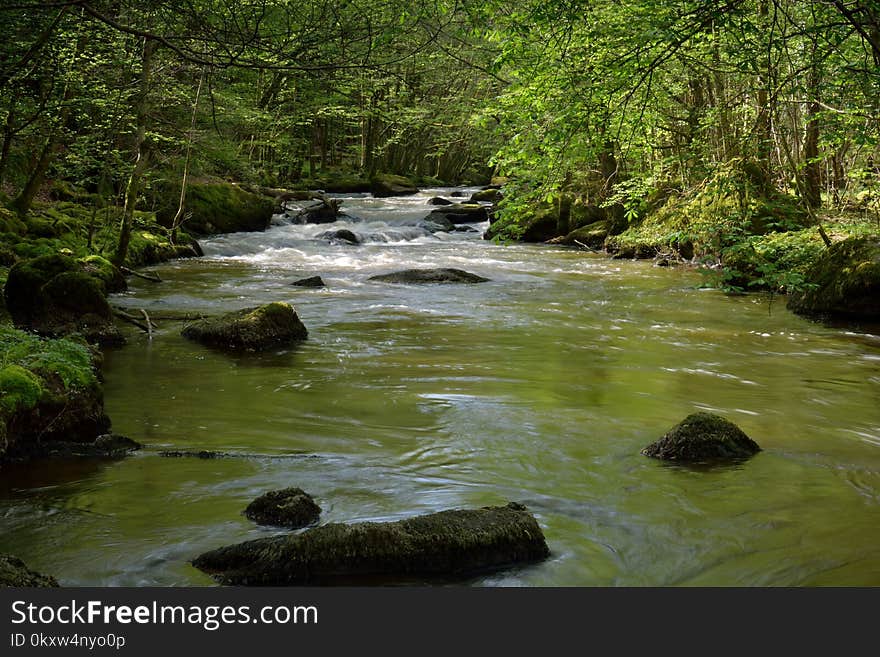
(49, 391)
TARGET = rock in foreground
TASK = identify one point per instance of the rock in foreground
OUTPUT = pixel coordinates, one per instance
(253, 329)
(703, 437)
(444, 545)
(846, 282)
(421, 276)
(291, 507)
(14, 573)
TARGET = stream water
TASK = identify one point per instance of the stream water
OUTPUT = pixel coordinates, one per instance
(540, 386)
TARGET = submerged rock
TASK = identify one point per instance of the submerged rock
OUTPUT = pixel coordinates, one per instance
(53, 296)
(421, 276)
(448, 544)
(341, 235)
(291, 507)
(253, 329)
(14, 573)
(311, 281)
(200, 454)
(108, 445)
(703, 437)
(846, 280)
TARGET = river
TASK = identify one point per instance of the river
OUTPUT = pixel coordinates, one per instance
(540, 386)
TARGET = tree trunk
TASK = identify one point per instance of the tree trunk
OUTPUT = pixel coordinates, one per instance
(812, 167)
(8, 134)
(133, 188)
(764, 120)
(181, 205)
(25, 199)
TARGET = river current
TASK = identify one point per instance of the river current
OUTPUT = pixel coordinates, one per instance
(539, 386)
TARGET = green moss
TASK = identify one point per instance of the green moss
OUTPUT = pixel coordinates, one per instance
(65, 360)
(19, 390)
(11, 223)
(103, 270)
(217, 207)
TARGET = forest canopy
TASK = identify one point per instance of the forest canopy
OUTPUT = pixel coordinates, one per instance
(619, 105)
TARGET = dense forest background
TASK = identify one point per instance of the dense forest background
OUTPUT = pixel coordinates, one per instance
(736, 118)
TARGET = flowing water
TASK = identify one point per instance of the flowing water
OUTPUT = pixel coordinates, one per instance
(540, 386)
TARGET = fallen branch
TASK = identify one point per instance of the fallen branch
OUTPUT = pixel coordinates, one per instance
(148, 277)
(131, 320)
(584, 246)
(149, 323)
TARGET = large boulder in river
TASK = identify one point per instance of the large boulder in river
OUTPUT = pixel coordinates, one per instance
(52, 295)
(217, 207)
(461, 213)
(422, 276)
(384, 185)
(446, 545)
(291, 507)
(252, 329)
(14, 573)
(703, 437)
(439, 200)
(845, 282)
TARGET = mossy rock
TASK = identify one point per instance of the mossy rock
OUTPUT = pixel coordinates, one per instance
(448, 545)
(104, 271)
(291, 507)
(384, 185)
(14, 573)
(843, 282)
(41, 227)
(252, 329)
(591, 236)
(535, 225)
(149, 248)
(490, 195)
(703, 437)
(219, 207)
(53, 296)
